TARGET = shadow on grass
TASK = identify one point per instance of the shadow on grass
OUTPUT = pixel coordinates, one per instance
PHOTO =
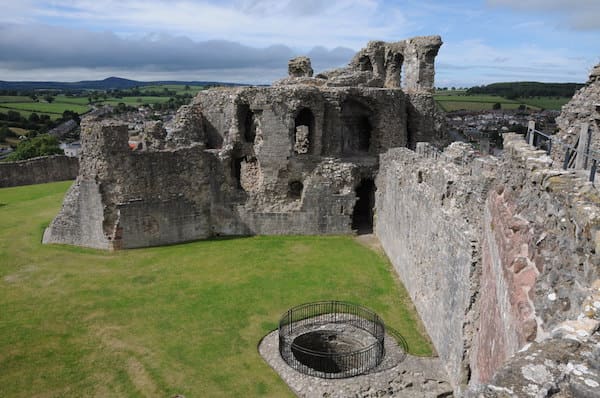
(399, 339)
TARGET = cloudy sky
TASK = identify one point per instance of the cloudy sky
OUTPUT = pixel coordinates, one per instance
(251, 40)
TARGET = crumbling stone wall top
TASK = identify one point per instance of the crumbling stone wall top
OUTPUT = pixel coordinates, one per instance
(379, 64)
(582, 111)
(300, 67)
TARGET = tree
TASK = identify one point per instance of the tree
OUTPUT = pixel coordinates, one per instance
(5, 132)
(187, 87)
(49, 98)
(34, 118)
(42, 145)
(497, 106)
(13, 116)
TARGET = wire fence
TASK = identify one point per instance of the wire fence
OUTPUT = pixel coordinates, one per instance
(307, 339)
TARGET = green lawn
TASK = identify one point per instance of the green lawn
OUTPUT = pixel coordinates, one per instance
(183, 319)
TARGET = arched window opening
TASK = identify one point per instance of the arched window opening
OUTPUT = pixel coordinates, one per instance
(304, 126)
(394, 70)
(246, 123)
(365, 63)
(295, 189)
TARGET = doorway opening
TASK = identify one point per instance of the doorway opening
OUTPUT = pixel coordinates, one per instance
(362, 217)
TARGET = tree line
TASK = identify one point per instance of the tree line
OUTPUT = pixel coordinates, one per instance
(526, 89)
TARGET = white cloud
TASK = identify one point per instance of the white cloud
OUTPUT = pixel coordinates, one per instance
(254, 22)
(578, 14)
(53, 48)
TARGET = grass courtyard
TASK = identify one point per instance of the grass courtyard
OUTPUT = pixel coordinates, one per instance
(183, 319)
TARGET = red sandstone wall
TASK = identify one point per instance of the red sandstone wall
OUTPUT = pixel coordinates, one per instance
(507, 319)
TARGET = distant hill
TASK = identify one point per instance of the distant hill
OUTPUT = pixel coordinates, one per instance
(512, 90)
(110, 83)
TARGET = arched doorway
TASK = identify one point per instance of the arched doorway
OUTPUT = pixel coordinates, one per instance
(362, 217)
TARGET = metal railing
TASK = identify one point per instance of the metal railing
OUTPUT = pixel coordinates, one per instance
(330, 364)
(580, 157)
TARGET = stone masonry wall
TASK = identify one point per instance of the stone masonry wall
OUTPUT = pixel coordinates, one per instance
(153, 197)
(540, 282)
(294, 158)
(38, 170)
(583, 108)
(496, 254)
(427, 210)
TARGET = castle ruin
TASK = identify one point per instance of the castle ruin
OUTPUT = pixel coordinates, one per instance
(299, 157)
(499, 255)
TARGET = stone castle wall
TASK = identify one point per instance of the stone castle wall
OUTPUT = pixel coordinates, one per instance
(582, 109)
(38, 170)
(541, 278)
(428, 207)
(495, 253)
(241, 161)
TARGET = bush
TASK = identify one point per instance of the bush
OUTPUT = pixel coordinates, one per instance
(5, 132)
(42, 145)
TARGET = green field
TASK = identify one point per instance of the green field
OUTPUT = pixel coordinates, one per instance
(44, 107)
(63, 99)
(134, 101)
(183, 319)
(178, 88)
(14, 98)
(458, 100)
(26, 106)
(547, 102)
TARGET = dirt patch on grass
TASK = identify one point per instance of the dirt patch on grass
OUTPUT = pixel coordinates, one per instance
(371, 241)
(110, 341)
(141, 379)
(22, 274)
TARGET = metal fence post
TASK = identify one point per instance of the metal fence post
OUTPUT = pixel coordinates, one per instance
(567, 159)
(531, 132)
(582, 148)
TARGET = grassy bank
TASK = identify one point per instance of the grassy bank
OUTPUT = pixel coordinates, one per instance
(183, 319)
